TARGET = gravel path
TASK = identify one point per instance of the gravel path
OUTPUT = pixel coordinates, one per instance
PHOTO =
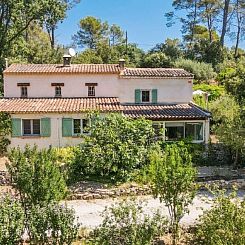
(89, 212)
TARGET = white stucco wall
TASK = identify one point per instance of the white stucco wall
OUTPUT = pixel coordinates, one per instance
(74, 85)
(169, 90)
(56, 139)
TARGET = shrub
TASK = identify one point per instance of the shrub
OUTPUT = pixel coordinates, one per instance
(51, 224)
(202, 71)
(5, 131)
(224, 224)
(11, 221)
(115, 148)
(126, 224)
(215, 91)
(36, 175)
(173, 181)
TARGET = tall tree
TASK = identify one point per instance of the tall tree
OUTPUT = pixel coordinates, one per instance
(225, 19)
(116, 35)
(92, 31)
(190, 20)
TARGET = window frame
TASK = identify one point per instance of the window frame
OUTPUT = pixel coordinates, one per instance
(31, 127)
(81, 126)
(58, 88)
(141, 95)
(22, 93)
(91, 92)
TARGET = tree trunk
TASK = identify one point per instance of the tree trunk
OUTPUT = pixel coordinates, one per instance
(52, 37)
(224, 22)
(237, 40)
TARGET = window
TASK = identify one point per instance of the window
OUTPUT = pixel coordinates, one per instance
(194, 131)
(174, 131)
(57, 91)
(91, 91)
(80, 126)
(23, 92)
(31, 126)
(145, 96)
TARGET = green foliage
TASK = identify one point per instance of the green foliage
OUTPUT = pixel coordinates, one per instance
(173, 180)
(5, 131)
(224, 224)
(229, 128)
(202, 71)
(51, 224)
(36, 175)
(215, 91)
(156, 60)
(116, 146)
(125, 223)
(11, 221)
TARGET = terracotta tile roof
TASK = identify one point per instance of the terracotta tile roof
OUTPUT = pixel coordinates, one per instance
(155, 73)
(59, 105)
(59, 68)
(166, 111)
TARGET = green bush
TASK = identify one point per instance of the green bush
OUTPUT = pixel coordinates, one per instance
(5, 131)
(11, 221)
(116, 146)
(215, 91)
(202, 71)
(126, 224)
(51, 224)
(36, 175)
(224, 224)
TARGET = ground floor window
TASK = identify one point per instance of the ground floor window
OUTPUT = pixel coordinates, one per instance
(31, 126)
(194, 131)
(81, 126)
(175, 131)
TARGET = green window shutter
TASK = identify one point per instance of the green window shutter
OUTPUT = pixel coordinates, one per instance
(137, 96)
(45, 127)
(16, 127)
(154, 95)
(67, 127)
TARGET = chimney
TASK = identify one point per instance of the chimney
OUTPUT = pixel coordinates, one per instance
(122, 64)
(66, 60)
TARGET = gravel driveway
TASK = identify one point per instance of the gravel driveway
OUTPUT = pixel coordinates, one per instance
(89, 212)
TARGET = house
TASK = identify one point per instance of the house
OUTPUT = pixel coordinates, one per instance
(48, 102)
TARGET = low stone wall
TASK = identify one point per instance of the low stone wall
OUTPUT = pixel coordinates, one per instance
(79, 192)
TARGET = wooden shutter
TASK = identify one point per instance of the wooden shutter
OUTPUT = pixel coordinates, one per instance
(16, 127)
(154, 96)
(67, 127)
(137, 96)
(45, 127)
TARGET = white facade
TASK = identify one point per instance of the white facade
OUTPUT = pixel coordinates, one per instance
(171, 90)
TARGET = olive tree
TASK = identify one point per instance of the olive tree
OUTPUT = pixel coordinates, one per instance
(172, 179)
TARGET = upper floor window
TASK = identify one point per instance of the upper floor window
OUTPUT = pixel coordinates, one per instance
(91, 91)
(81, 126)
(58, 91)
(145, 96)
(23, 91)
(31, 126)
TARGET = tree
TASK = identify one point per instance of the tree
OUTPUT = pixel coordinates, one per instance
(172, 178)
(116, 146)
(36, 176)
(191, 18)
(91, 32)
(5, 131)
(156, 60)
(229, 127)
(116, 35)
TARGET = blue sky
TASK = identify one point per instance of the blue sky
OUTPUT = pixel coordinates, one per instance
(143, 20)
